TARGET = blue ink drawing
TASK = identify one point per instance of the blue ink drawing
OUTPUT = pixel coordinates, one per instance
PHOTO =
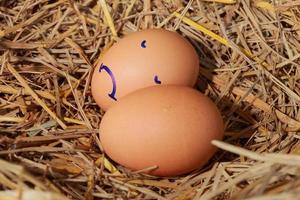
(156, 80)
(114, 89)
(143, 44)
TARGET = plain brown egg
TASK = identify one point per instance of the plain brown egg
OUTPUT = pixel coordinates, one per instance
(142, 59)
(170, 127)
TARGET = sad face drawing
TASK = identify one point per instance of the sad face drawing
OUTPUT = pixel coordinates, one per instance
(143, 59)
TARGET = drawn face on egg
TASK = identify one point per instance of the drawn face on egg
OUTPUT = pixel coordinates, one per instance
(143, 59)
(105, 68)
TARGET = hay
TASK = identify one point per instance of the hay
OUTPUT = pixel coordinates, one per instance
(250, 62)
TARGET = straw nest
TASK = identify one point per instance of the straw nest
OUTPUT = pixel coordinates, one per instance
(250, 59)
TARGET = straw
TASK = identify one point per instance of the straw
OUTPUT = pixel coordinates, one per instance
(249, 54)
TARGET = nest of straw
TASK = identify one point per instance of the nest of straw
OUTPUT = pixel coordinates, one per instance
(250, 58)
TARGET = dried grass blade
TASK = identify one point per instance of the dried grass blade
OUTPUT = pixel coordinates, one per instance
(222, 1)
(284, 159)
(9, 30)
(264, 65)
(34, 95)
(16, 90)
(108, 18)
(11, 119)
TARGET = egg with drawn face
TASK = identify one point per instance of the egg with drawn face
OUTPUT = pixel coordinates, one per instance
(142, 59)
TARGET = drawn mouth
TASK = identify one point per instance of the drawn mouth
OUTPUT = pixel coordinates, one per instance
(114, 89)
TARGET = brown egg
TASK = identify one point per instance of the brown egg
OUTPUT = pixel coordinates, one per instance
(143, 59)
(170, 127)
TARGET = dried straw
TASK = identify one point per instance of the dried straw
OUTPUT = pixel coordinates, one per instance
(250, 59)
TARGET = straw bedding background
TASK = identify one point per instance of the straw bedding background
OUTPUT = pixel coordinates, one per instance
(50, 149)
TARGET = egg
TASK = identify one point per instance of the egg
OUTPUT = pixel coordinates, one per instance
(166, 127)
(142, 59)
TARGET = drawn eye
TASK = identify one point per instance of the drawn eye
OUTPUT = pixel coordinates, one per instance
(143, 44)
(156, 80)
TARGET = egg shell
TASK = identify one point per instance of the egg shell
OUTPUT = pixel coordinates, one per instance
(170, 127)
(142, 59)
